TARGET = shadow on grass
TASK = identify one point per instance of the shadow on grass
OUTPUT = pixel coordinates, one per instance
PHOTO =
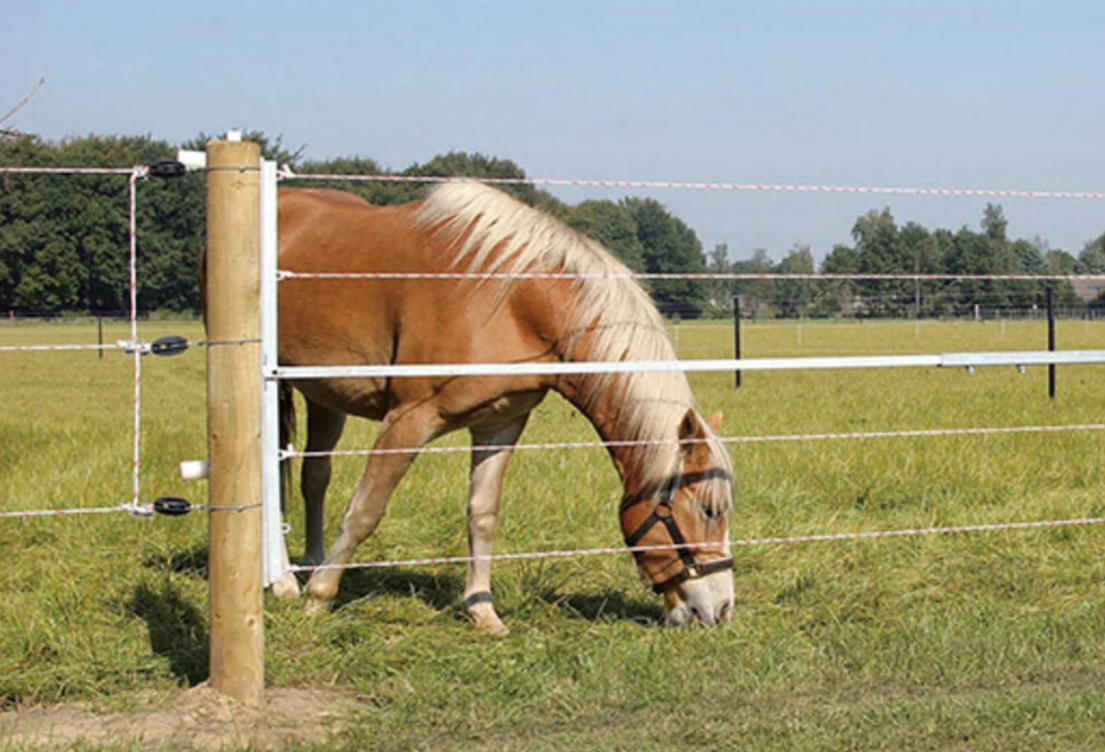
(609, 606)
(435, 590)
(177, 630)
(444, 592)
(192, 562)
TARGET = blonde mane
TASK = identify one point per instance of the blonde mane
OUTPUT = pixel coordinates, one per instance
(499, 234)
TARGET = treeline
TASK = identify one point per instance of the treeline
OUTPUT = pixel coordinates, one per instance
(64, 239)
(881, 246)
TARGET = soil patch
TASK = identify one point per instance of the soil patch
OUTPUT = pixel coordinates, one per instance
(196, 719)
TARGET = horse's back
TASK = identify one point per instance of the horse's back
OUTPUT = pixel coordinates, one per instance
(294, 200)
(397, 319)
(303, 209)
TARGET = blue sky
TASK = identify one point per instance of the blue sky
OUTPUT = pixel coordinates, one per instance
(963, 94)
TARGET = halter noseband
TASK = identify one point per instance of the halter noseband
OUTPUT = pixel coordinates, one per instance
(692, 569)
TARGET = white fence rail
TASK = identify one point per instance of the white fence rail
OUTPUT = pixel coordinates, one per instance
(944, 360)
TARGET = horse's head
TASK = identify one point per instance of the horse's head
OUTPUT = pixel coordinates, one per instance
(685, 518)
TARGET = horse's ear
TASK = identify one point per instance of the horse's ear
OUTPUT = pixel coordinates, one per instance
(715, 422)
(691, 431)
(689, 428)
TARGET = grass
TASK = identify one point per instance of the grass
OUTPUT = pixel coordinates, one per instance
(964, 642)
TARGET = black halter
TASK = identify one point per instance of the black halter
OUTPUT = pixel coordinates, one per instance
(692, 569)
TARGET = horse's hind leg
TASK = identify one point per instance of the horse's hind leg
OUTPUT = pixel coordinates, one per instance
(401, 429)
(324, 427)
(491, 450)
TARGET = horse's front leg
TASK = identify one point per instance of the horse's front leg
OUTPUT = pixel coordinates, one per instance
(401, 429)
(491, 450)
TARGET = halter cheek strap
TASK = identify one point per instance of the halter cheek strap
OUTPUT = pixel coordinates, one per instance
(692, 569)
(662, 514)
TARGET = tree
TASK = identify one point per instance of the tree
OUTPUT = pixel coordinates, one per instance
(795, 296)
(966, 255)
(64, 240)
(994, 223)
(757, 296)
(1029, 260)
(1091, 259)
(379, 193)
(880, 251)
(1061, 262)
(838, 296)
(1003, 259)
(918, 244)
(669, 246)
(718, 292)
(613, 226)
(1030, 256)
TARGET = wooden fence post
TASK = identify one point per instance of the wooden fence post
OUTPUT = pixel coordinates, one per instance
(234, 420)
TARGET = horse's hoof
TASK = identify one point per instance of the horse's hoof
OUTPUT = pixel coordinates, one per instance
(498, 629)
(287, 588)
(315, 606)
(488, 622)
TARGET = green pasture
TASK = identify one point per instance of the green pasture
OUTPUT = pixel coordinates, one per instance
(958, 642)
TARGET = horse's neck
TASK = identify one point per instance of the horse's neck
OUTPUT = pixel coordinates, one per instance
(633, 461)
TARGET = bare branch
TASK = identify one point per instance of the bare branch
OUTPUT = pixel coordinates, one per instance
(23, 101)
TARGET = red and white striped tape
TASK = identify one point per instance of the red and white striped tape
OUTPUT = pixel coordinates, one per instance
(287, 174)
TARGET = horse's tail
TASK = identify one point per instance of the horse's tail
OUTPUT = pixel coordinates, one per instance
(287, 438)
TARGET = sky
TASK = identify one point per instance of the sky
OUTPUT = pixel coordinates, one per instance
(980, 94)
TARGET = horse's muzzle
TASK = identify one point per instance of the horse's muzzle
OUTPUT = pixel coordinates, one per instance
(708, 600)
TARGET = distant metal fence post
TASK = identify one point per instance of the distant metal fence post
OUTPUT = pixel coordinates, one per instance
(737, 337)
(234, 420)
(1050, 341)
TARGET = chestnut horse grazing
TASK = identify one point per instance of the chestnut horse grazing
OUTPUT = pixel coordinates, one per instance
(677, 486)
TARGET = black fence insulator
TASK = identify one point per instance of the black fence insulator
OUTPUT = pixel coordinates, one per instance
(172, 506)
(174, 344)
(167, 168)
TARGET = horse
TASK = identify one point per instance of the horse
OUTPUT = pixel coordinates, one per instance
(574, 301)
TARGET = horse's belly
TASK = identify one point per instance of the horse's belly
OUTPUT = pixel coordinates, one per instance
(364, 397)
(499, 410)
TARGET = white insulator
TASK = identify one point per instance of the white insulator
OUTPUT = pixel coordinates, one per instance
(193, 469)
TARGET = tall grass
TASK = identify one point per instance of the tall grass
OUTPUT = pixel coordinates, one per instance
(983, 641)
